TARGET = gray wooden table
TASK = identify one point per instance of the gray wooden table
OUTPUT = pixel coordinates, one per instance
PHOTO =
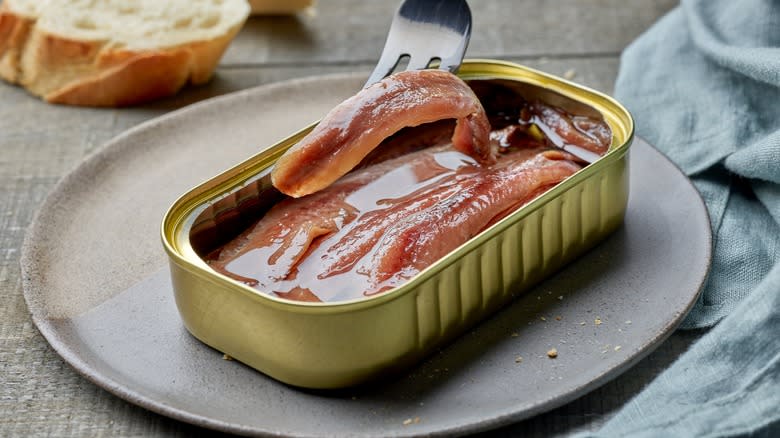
(39, 143)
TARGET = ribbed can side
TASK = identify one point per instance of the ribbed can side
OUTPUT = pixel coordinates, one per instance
(529, 250)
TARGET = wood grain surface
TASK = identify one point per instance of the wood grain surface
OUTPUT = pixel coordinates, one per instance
(40, 395)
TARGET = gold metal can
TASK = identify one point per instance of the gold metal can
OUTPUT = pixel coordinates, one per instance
(332, 345)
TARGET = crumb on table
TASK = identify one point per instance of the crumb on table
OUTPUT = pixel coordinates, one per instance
(409, 421)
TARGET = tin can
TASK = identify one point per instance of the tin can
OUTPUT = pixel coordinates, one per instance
(333, 345)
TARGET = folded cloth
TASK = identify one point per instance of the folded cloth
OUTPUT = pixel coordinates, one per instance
(704, 87)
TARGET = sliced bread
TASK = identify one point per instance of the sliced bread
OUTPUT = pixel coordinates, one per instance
(114, 52)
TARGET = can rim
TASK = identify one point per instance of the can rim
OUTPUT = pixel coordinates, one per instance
(184, 208)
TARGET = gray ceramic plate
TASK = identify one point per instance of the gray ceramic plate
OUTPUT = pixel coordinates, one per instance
(96, 283)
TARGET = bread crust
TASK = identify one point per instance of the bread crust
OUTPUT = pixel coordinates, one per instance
(14, 30)
(278, 7)
(96, 73)
(140, 79)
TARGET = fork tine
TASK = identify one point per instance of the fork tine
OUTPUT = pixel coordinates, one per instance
(419, 62)
(451, 64)
(425, 30)
(383, 68)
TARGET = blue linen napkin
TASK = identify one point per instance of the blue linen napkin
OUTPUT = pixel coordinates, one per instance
(704, 87)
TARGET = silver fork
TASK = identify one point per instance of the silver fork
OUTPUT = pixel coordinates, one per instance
(427, 31)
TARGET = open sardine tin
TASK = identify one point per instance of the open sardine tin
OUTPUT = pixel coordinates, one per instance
(332, 345)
